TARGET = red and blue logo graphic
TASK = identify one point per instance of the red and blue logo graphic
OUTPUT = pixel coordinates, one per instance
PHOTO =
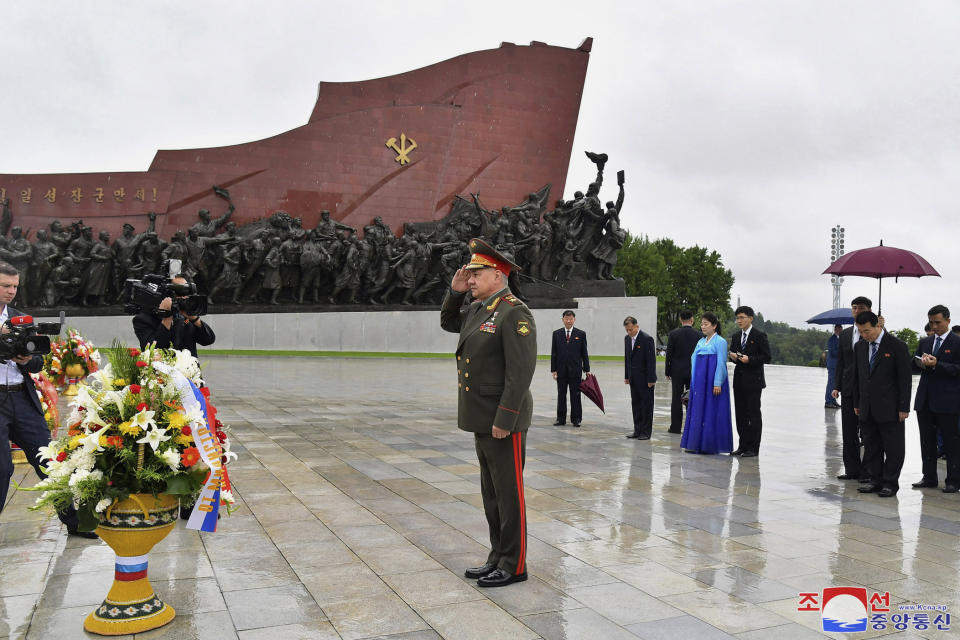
(844, 609)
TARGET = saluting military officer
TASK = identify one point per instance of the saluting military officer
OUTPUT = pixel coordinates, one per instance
(496, 357)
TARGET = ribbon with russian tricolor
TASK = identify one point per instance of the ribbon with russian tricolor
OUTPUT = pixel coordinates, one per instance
(205, 511)
(130, 568)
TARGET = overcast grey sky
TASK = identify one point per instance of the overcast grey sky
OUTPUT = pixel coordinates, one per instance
(748, 127)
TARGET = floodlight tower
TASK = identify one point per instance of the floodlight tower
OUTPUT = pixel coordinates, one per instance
(836, 251)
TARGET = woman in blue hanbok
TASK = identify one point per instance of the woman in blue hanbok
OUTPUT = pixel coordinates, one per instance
(709, 428)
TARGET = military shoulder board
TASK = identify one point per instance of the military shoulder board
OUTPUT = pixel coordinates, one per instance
(512, 300)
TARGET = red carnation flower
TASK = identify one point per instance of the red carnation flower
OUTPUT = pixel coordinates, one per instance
(223, 459)
(218, 424)
(186, 431)
(142, 406)
(61, 456)
(222, 436)
(141, 363)
(134, 352)
(135, 388)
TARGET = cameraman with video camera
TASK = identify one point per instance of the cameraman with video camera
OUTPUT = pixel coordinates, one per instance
(21, 416)
(174, 324)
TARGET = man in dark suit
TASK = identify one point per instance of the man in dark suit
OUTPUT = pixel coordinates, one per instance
(21, 416)
(749, 350)
(938, 400)
(844, 384)
(174, 331)
(640, 362)
(568, 362)
(881, 364)
(680, 345)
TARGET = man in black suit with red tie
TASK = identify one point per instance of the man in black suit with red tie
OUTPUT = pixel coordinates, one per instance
(843, 385)
(680, 345)
(640, 362)
(749, 350)
(938, 400)
(881, 399)
(568, 362)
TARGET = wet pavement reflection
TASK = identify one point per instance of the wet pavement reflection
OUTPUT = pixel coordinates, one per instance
(360, 508)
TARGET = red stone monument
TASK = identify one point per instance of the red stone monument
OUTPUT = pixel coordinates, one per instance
(498, 122)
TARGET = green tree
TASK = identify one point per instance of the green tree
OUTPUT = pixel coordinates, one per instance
(680, 277)
(911, 337)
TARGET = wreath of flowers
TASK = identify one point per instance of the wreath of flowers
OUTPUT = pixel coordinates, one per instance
(129, 433)
(73, 349)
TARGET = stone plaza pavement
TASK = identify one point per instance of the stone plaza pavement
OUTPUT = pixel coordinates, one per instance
(360, 508)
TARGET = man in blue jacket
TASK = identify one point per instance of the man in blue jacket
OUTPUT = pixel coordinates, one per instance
(640, 364)
(833, 357)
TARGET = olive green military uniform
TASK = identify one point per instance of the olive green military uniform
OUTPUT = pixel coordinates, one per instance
(496, 357)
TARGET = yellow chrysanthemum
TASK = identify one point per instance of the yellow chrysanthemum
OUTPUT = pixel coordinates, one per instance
(182, 439)
(129, 429)
(74, 442)
(119, 382)
(103, 441)
(176, 420)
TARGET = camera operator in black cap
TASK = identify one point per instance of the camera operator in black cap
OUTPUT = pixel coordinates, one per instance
(170, 328)
(21, 416)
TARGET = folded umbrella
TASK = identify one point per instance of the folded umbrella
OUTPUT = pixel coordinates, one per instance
(591, 388)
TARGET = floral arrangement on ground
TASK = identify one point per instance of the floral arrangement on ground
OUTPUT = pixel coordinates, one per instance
(130, 433)
(73, 349)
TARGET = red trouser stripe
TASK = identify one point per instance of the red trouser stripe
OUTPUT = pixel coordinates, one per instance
(120, 576)
(518, 468)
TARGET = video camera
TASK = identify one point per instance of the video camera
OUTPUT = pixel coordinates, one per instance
(24, 337)
(147, 293)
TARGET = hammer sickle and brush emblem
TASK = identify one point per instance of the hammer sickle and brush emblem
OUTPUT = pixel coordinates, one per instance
(404, 149)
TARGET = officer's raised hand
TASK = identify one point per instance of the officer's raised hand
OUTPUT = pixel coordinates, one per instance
(461, 280)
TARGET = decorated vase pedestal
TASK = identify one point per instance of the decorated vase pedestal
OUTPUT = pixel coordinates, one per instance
(132, 527)
(73, 372)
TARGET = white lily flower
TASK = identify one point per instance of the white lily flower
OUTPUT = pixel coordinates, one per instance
(144, 419)
(91, 443)
(47, 453)
(115, 397)
(154, 437)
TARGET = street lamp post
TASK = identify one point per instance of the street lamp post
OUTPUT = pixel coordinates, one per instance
(836, 251)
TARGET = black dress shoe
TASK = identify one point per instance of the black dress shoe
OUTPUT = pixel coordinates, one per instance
(90, 535)
(736, 452)
(949, 488)
(633, 436)
(643, 437)
(886, 492)
(868, 488)
(559, 424)
(500, 578)
(925, 484)
(748, 454)
(576, 424)
(478, 572)
(865, 480)
(848, 476)
(678, 432)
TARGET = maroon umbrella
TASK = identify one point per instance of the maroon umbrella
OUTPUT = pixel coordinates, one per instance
(882, 262)
(591, 388)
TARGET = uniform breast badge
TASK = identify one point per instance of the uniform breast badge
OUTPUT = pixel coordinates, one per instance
(523, 328)
(488, 327)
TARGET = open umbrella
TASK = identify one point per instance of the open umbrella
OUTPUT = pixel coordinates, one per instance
(882, 262)
(833, 316)
(591, 388)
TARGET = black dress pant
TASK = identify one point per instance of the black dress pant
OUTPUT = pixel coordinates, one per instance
(678, 384)
(883, 447)
(22, 424)
(850, 430)
(946, 423)
(746, 403)
(576, 409)
(641, 398)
